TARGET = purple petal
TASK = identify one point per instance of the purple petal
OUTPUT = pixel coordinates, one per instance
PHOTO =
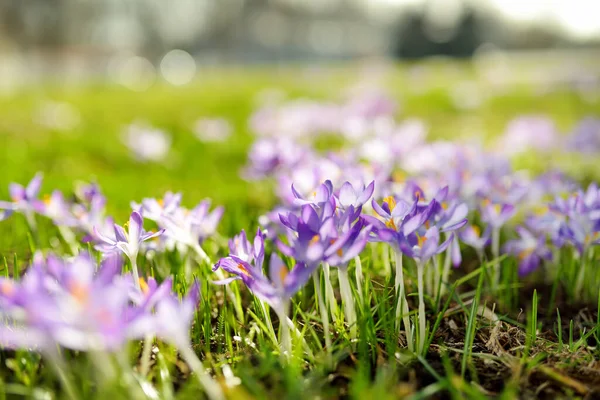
(33, 188)
(135, 227)
(150, 235)
(277, 270)
(103, 238)
(347, 194)
(226, 281)
(120, 233)
(17, 192)
(366, 194)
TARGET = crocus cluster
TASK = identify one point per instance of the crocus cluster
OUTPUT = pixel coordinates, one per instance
(75, 303)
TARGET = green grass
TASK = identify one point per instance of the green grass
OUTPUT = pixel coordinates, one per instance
(470, 356)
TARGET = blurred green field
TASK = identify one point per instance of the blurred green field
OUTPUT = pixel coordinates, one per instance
(93, 149)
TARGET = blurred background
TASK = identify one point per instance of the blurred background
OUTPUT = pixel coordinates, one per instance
(139, 40)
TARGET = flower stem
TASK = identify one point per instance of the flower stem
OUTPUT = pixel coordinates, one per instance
(212, 387)
(402, 306)
(284, 331)
(146, 354)
(136, 275)
(446, 271)
(422, 326)
(348, 300)
(329, 296)
(324, 315)
(201, 253)
(147, 347)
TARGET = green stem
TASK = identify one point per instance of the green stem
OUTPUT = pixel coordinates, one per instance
(402, 306)
(446, 271)
(284, 331)
(348, 300)
(324, 315)
(329, 295)
(146, 354)
(422, 325)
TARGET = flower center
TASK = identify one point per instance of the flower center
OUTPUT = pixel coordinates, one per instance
(7, 288)
(79, 292)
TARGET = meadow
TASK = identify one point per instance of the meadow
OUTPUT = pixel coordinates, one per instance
(363, 273)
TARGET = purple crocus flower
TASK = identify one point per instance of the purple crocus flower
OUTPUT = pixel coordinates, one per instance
(192, 227)
(496, 214)
(400, 219)
(276, 290)
(241, 247)
(56, 208)
(155, 209)
(320, 196)
(349, 196)
(529, 249)
(424, 247)
(347, 243)
(66, 302)
(472, 236)
(23, 197)
(127, 242)
(171, 319)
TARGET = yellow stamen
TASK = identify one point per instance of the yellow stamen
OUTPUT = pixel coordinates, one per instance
(339, 251)
(161, 202)
(315, 239)
(421, 240)
(524, 254)
(243, 269)
(476, 230)
(47, 199)
(391, 202)
(497, 208)
(391, 224)
(143, 285)
(444, 205)
(283, 273)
